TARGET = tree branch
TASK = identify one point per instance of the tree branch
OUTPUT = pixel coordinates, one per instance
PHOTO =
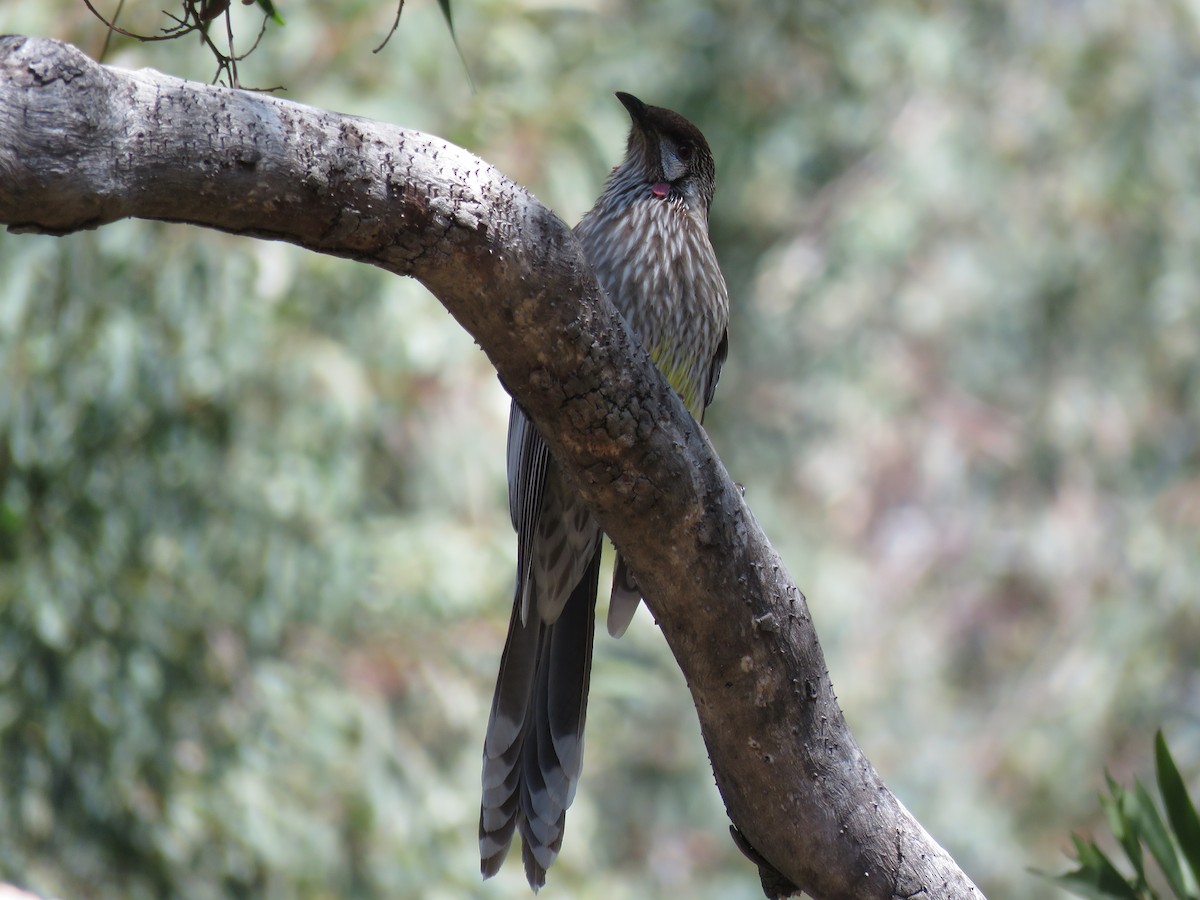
(82, 145)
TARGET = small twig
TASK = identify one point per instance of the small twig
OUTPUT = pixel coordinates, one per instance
(232, 59)
(194, 20)
(109, 32)
(395, 25)
(183, 27)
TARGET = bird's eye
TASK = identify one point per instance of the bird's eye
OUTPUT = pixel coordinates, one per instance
(685, 152)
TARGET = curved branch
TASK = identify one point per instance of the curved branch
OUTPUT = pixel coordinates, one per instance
(82, 145)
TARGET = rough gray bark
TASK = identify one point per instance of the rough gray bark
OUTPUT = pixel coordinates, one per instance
(82, 145)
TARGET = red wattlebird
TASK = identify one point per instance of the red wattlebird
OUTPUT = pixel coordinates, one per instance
(647, 240)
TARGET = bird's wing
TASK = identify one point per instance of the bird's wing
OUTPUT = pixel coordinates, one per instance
(528, 457)
(714, 371)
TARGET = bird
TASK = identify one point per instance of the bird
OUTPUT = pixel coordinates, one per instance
(646, 238)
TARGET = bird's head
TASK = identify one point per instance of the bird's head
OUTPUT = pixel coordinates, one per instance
(669, 154)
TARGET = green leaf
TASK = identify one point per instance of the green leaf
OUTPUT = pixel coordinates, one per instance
(444, 5)
(1156, 837)
(1084, 884)
(269, 9)
(1117, 809)
(1181, 812)
(1096, 875)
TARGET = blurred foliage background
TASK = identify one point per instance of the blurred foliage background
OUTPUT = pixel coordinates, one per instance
(255, 560)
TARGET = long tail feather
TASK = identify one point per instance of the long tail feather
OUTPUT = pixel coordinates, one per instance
(533, 753)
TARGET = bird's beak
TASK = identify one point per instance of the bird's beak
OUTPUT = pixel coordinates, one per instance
(637, 109)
